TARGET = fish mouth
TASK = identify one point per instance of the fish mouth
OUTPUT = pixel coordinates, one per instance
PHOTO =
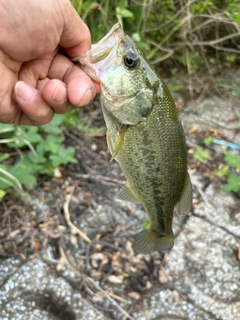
(94, 61)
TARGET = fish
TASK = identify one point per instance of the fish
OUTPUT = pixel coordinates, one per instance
(144, 135)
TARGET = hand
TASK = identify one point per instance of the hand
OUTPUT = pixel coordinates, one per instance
(36, 80)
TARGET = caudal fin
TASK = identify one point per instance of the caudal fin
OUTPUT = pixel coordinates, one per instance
(149, 240)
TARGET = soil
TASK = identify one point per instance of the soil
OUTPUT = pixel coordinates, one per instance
(65, 244)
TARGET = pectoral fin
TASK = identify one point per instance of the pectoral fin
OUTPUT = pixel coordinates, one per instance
(184, 204)
(114, 149)
(126, 194)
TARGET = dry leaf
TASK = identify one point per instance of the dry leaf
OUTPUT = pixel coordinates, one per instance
(57, 173)
(194, 129)
(97, 275)
(148, 285)
(134, 295)
(162, 276)
(129, 248)
(98, 258)
(61, 228)
(114, 279)
(176, 296)
(73, 239)
(13, 233)
(98, 297)
(37, 246)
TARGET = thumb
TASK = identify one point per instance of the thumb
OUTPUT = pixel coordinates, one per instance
(75, 39)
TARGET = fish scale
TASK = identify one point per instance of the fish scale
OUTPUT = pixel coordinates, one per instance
(144, 135)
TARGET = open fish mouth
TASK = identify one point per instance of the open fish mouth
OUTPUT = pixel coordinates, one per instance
(94, 61)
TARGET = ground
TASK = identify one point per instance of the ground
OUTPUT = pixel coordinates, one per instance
(65, 245)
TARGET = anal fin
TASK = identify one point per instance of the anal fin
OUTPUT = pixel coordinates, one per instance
(126, 194)
(184, 204)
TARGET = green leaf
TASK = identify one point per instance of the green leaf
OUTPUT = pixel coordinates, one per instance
(146, 224)
(207, 141)
(200, 154)
(4, 156)
(65, 155)
(237, 18)
(53, 126)
(2, 194)
(221, 171)
(124, 13)
(7, 179)
(25, 171)
(233, 183)
(232, 160)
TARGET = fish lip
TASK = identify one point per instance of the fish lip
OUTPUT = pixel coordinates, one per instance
(90, 63)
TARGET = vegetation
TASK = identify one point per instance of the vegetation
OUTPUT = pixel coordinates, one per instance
(31, 151)
(230, 170)
(187, 34)
(183, 36)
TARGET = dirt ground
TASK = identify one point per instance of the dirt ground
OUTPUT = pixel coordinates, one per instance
(65, 245)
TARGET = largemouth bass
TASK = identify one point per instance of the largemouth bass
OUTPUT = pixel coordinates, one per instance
(144, 135)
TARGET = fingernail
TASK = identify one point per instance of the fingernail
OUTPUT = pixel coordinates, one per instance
(87, 97)
(24, 91)
(60, 94)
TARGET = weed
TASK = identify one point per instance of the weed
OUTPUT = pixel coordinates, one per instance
(188, 34)
(201, 154)
(233, 182)
(231, 171)
(29, 151)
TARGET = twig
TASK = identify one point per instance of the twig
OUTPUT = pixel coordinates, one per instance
(195, 182)
(66, 259)
(211, 42)
(24, 237)
(90, 280)
(75, 230)
(99, 178)
(114, 296)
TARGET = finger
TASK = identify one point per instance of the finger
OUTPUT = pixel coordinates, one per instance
(55, 93)
(36, 69)
(35, 110)
(81, 89)
(75, 39)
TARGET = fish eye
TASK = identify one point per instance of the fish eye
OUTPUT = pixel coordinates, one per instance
(130, 60)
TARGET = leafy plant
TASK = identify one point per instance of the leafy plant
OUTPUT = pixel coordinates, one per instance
(231, 171)
(187, 35)
(30, 151)
(233, 183)
(201, 154)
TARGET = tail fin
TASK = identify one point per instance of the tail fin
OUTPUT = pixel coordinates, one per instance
(149, 240)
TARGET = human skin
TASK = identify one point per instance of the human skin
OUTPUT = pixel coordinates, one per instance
(38, 81)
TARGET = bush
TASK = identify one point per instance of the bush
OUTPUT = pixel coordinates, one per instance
(186, 34)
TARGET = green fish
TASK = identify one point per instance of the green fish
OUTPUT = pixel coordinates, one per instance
(144, 135)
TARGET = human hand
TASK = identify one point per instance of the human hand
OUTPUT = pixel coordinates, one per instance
(36, 79)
